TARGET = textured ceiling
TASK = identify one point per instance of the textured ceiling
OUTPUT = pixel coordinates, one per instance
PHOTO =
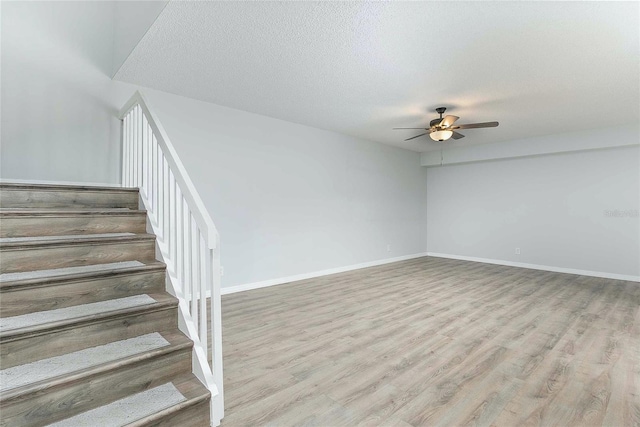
(362, 68)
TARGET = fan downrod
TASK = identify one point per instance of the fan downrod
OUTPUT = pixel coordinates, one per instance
(439, 110)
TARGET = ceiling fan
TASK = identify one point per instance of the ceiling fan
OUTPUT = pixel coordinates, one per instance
(443, 128)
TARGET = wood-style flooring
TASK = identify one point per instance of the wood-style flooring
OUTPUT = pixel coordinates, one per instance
(434, 342)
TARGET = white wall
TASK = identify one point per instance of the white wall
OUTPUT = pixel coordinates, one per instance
(59, 103)
(290, 199)
(554, 208)
(287, 199)
(57, 117)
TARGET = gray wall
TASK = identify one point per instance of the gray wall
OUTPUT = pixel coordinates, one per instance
(554, 208)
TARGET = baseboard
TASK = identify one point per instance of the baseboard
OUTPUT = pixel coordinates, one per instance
(539, 267)
(305, 276)
(43, 182)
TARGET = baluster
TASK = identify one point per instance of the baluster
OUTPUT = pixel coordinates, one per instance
(186, 251)
(208, 279)
(149, 161)
(216, 326)
(186, 248)
(136, 166)
(145, 157)
(135, 147)
(202, 292)
(179, 260)
(134, 136)
(140, 147)
(177, 233)
(213, 268)
(131, 148)
(155, 189)
(159, 188)
(143, 143)
(124, 152)
(167, 206)
(194, 276)
(128, 149)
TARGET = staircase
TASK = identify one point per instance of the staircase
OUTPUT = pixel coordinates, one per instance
(88, 334)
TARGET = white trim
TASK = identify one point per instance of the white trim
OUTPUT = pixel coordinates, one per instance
(539, 267)
(304, 276)
(75, 183)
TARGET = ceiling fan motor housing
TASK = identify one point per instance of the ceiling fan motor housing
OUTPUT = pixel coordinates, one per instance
(434, 122)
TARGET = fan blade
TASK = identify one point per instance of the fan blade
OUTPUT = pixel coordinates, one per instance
(414, 137)
(448, 121)
(477, 125)
(411, 128)
(457, 135)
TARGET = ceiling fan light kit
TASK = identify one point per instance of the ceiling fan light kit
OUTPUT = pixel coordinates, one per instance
(443, 128)
(441, 135)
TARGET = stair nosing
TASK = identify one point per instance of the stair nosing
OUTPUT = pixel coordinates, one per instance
(41, 282)
(63, 325)
(142, 237)
(70, 212)
(26, 390)
(188, 403)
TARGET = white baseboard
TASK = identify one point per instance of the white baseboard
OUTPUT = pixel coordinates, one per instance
(282, 280)
(539, 267)
(43, 182)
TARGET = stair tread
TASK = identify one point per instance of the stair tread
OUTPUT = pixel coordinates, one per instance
(6, 212)
(11, 280)
(52, 367)
(193, 391)
(124, 411)
(26, 239)
(16, 242)
(36, 321)
(69, 368)
(141, 406)
(26, 186)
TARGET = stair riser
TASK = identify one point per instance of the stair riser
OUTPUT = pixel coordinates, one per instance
(20, 350)
(26, 299)
(38, 225)
(192, 416)
(67, 198)
(74, 397)
(74, 255)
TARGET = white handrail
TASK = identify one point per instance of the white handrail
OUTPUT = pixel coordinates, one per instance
(186, 236)
(203, 219)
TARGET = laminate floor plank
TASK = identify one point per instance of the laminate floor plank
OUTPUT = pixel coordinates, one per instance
(434, 342)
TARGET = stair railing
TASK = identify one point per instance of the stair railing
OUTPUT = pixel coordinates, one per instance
(187, 238)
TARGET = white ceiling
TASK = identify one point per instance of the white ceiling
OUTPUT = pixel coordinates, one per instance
(363, 68)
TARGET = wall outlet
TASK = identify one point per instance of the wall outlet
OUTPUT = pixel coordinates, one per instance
(388, 248)
(517, 251)
(221, 271)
